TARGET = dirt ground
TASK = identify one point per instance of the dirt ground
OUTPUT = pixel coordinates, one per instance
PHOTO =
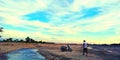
(53, 52)
(76, 54)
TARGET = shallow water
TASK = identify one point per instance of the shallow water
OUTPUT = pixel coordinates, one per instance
(25, 54)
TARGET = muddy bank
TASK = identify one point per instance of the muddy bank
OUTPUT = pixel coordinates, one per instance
(9, 46)
(51, 56)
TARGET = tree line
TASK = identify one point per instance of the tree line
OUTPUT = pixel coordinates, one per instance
(27, 39)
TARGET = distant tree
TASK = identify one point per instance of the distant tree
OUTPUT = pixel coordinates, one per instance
(44, 42)
(4, 40)
(16, 40)
(28, 39)
(33, 41)
(40, 41)
(9, 40)
(1, 30)
(21, 40)
(115, 44)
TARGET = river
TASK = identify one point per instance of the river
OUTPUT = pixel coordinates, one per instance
(25, 54)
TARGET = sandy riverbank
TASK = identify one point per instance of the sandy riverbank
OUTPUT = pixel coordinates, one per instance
(8, 46)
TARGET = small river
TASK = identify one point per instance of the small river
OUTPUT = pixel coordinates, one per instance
(25, 54)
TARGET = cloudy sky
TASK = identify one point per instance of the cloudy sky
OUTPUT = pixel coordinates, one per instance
(62, 21)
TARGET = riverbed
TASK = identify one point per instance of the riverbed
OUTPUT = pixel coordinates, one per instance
(25, 54)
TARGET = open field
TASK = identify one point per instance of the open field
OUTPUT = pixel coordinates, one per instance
(52, 51)
(76, 54)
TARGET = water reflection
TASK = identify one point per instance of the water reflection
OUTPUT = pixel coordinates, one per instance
(25, 54)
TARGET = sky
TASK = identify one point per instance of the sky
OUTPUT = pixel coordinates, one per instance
(61, 21)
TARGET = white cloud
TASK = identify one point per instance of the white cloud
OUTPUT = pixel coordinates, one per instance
(79, 4)
(22, 7)
(21, 34)
(11, 11)
(103, 23)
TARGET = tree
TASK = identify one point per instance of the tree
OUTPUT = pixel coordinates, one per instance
(21, 40)
(9, 40)
(33, 41)
(28, 39)
(1, 30)
(40, 41)
(16, 40)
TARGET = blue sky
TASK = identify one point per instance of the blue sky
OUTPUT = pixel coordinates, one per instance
(61, 21)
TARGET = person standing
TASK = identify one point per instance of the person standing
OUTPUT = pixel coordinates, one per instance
(85, 50)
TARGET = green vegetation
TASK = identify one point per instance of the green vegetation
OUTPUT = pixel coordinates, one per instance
(26, 40)
(1, 30)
